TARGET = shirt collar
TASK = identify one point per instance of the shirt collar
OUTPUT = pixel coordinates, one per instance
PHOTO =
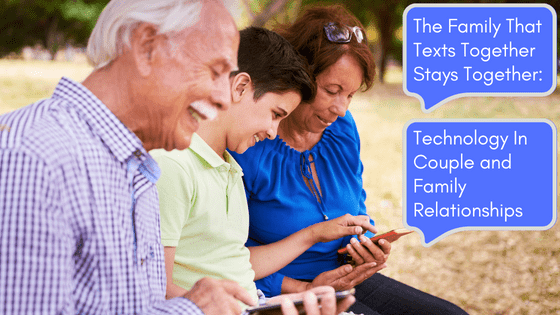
(122, 142)
(205, 152)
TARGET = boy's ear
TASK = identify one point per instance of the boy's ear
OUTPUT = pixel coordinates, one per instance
(241, 85)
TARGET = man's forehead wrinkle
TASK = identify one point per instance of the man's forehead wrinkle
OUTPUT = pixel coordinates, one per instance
(215, 36)
(232, 65)
(215, 32)
(221, 36)
(223, 47)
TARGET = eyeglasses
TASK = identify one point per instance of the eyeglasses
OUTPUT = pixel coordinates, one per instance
(342, 33)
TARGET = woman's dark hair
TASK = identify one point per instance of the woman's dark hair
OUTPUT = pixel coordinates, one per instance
(308, 37)
(273, 64)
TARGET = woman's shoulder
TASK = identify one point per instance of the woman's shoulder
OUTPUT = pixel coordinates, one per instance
(260, 152)
(251, 161)
(265, 160)
(249, 158)
(344, 123)
(342, 133)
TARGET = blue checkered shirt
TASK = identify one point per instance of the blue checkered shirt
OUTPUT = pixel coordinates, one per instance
(79, 212)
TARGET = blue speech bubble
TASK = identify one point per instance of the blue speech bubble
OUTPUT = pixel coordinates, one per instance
(478, 174)
(457, 50)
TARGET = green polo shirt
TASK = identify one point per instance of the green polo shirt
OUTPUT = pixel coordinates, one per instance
(204, 215)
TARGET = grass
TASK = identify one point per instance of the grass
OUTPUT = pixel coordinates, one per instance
(484, 272)
(24, 82)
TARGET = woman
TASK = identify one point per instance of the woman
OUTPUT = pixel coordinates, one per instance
(204, 215)
(312, 172)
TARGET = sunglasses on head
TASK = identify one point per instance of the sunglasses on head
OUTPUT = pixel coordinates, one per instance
(341, 33)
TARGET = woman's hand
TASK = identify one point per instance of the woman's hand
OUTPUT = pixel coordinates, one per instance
(346, 277)
(267, 259)
(342, 226)
(366, 251)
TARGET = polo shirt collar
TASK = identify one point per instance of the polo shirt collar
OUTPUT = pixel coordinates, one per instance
(205, 152)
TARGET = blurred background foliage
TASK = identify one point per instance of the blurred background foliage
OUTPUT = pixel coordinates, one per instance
(484, 272)
(56, 24)
(52, 24)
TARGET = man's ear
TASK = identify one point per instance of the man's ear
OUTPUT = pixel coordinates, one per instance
(241, 85)
(143, 45)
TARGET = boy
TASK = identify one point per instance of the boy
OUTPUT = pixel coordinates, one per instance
(204, 215)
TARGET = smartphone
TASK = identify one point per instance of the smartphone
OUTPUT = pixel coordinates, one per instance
(276, 306)
(390, 236)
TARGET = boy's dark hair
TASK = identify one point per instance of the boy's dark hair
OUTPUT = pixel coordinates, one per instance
(273, 64)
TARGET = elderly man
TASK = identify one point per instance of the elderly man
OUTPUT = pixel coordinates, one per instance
(79, 219)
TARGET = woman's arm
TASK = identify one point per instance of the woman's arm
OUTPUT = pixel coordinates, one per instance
(342, 278)
(267, 259)
(290, 285)
(172, 290)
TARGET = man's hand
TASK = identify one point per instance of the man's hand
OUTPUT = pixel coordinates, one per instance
(346, 277)
(327, 306)
(342, 226)
(219, 297)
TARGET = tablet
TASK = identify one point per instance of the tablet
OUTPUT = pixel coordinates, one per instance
(261, 309)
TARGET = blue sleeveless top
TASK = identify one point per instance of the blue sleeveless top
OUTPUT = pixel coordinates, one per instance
(280, 203)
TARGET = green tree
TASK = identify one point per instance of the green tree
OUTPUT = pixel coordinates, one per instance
(384, 15)
(51, 23)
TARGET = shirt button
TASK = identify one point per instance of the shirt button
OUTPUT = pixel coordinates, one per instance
(142, 262)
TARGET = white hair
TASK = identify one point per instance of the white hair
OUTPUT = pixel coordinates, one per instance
(120, 17)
